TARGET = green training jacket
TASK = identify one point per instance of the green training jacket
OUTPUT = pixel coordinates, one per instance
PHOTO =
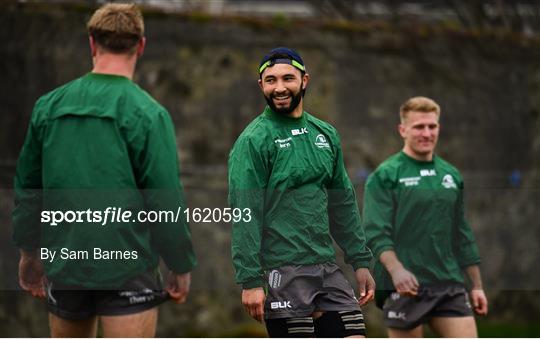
(100, 141)
(290, 174)
(416, 209)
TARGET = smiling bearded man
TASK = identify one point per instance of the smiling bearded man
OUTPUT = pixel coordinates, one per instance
(287, 170)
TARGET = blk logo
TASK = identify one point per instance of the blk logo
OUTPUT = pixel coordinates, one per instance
(428, 173)
(280, 304)
(299, 131)
(397, 315)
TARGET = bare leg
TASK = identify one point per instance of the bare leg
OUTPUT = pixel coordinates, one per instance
(417, 332)
(317, 314)
(62, 328)
(455, 327)
(142, 325)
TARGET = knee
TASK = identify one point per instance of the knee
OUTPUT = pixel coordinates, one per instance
(317, 314)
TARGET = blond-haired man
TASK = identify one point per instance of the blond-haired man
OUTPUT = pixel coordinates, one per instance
(95, 145)
(415, 226)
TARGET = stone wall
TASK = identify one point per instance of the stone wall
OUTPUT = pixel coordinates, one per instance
(203, 70)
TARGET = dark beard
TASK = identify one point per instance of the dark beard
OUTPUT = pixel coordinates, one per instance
(295, 101)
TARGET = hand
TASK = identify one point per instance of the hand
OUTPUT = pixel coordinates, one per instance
(366, 286)
(178, 286)
(404, 281)
(31, 275)
(480, 302)
(253, 301)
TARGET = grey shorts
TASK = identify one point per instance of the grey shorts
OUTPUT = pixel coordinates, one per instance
(299, 290)
(404, 312)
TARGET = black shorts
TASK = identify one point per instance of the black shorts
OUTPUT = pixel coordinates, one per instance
(405, 312)
(141, 293)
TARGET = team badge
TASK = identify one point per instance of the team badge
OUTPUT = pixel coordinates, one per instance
(448, 181)
(321, 142)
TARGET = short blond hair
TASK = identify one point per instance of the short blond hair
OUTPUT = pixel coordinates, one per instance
(418, 104)
(117, 27)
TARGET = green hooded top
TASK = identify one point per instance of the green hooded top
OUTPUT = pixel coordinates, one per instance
(290, 173)
(100, 141)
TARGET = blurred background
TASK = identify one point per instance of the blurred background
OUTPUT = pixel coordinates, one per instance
(480, 60)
